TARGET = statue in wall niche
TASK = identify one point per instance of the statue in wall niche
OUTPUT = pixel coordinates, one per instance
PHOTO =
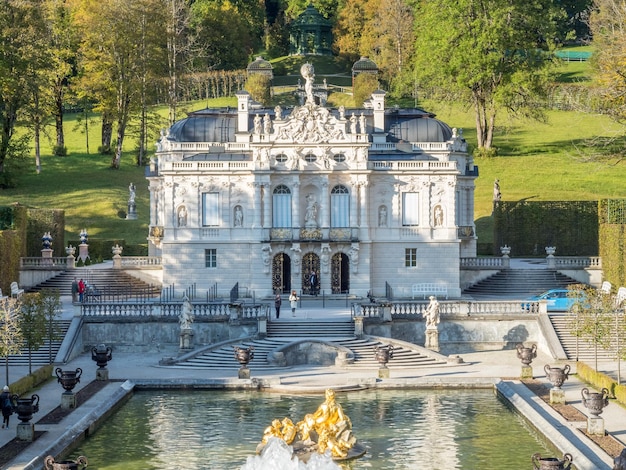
(354, 257)
(382, 216)
(311, 211)
(438, 216)
(182, 216)
(325, 257)
(238, 216)
(266, 254)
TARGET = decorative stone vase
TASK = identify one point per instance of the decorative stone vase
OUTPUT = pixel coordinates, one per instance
(101, 354)
(70, 250)
(594, 401)
(50, 464)
(26, 407)
(117, 250)
(68, 378)
(383, 353)
(557, 375)
(505, 250)
(244, 355)
(526, 355)
(551, 463)
(550, 250)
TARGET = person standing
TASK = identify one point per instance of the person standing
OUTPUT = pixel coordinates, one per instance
(81, 290)
(313, 283)
(277, 303)
(74, 291)
(293, 300)
(7, 406)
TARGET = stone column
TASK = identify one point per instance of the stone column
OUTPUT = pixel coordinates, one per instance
(364, 219)
(325, 203)
(267, 205)
(257, 205)
(354, 216)
(295, 216)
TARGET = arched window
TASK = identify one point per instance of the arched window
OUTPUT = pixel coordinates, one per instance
(340, 207)
(281, 206)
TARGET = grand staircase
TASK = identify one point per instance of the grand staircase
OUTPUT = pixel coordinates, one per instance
(48, 350)
(340, 333)
(518, 284)
(108, 282)
(580, 349)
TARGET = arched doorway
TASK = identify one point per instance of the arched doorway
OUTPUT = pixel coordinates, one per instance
(281, 273)
(310, 264)
(340, 274)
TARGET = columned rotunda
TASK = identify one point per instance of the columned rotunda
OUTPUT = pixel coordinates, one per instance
(370, 200)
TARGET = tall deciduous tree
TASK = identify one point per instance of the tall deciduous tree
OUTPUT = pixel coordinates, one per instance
(32, 322)
(491, 54)
(21, 31)
(354, 32)
(115, 51)
(608, 24)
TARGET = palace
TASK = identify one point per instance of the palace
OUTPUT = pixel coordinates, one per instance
(371, 200)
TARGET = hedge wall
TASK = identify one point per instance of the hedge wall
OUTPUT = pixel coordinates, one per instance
(41, 221)
(612, 215)
(529, 226)
(100, 248)
(13, 220)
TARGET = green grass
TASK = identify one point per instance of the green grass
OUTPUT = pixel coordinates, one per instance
(537, 160)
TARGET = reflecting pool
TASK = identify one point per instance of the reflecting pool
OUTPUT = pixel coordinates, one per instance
(401, 429)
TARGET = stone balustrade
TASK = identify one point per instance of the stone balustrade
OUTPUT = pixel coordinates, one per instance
(38, 262)
(201, 310)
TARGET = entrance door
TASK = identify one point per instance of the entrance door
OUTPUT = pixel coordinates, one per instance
(310, 264)
(340, 274)
(281, 273)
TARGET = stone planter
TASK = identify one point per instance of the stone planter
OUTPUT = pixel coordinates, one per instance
(383, 353)
(68, 378)
(551, 463)
(244, 355)
(526, 355)
(50, 464)
(557, 375)
(26, 407)
(101, 354)
(594, 401)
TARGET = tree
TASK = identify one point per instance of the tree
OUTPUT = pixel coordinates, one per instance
(21, 31)
(354, 32)
(50, 307)
(114, 54)
(608, 24)
(10, 333)
(491, 54)
(32, 323)
(592, 316)
(258, 85)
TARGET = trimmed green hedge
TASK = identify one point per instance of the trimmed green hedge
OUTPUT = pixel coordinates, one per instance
(100, 248)
(30, 382)
(529, 226)
(600, 380)
(612, 234)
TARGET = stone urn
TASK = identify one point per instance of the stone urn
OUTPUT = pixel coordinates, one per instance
(244, 355)
(26, 407)
(595, 401)
(557, 375)
(70, 250)
(68, 378)
(50, 464)
(526, 355)
(101, 354)
(383, 353)
(551, 463)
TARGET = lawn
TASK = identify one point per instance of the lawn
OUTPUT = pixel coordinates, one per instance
(536, 160)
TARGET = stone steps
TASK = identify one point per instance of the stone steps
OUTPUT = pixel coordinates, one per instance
(519, 283)
(586, 351)
(49, 349)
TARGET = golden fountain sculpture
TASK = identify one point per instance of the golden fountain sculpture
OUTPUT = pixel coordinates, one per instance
(329, 428)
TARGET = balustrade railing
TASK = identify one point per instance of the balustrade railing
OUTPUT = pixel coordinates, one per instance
(415, 310)
(37, 262)
(482, 262)
(209, 311)
(140, 261)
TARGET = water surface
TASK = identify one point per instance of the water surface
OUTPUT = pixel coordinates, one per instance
(402, 429)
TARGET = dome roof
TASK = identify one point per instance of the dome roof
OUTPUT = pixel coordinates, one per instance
(209, 125)
(416, 126)
(311, 16)
(364, 64)
(260, 65)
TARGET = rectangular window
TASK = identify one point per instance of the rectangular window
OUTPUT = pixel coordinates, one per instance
(410, 257)
(340, 210)
(210, 258)
(410, 212)
(210, 209)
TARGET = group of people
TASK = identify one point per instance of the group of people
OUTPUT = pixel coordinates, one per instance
(78, 290)
(293, 297)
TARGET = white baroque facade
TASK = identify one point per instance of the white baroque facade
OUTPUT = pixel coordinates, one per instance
(368, 199)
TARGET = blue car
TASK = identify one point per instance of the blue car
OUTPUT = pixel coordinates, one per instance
(558, 301)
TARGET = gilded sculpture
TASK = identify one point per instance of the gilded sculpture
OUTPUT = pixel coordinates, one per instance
(328, 428)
